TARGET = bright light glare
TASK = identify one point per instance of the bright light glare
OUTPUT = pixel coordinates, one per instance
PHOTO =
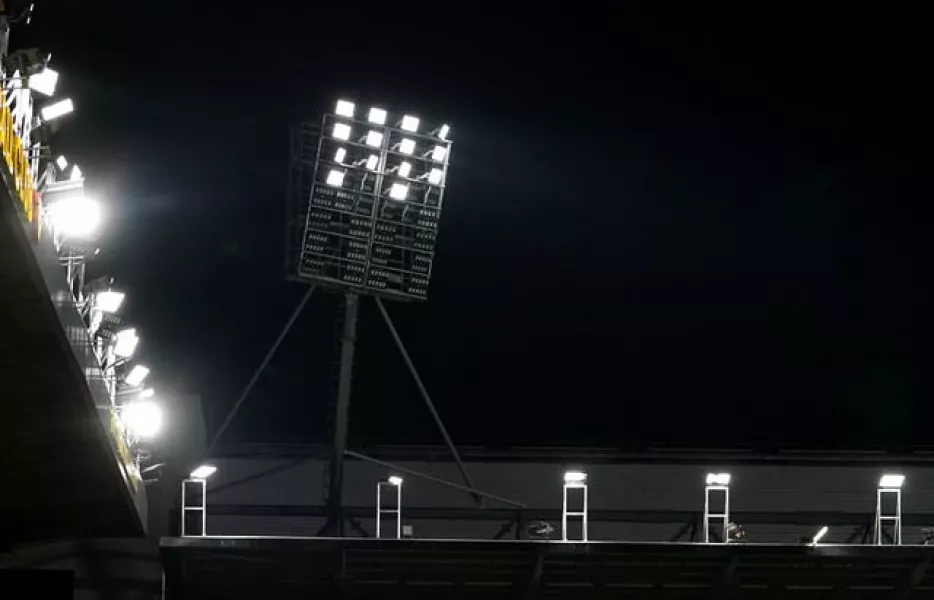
(127, 341)
(377, 116)
(137, 375)
(44, 82)
(61, 162)
(434, 176)
(341, 131)
(344, 108)
(76, 173)
(59, 109)
(443, 132)
(398, 191)
(575, 477)
(410, 123)
(439, 153)
(374, 138)
(75, 216)
(407, 146)
(405, 169)
(108, 301)
(203, 471)
(147, 393)
(340, 155)
(143, 418)
(820, 534)
(718, 479)
(891, 481)
(335, 178)
(395, 480)
(372, 162)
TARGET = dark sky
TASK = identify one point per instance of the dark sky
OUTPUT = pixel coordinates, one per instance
(681, 226)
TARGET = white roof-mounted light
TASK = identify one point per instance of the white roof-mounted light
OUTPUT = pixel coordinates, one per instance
(76, 173)
(108, 301)
(405, 169)
(718, 479)
(143, 418)
(409, 123)
(335, 178)
(344, 108)
(137, 375)
(341, 131)
(398, 191)
(434, 176)
(395, 480)
(44, 82)
(372, 163)
(891, 481)
(56, 110)
(575, 477)
(407, 146)
(377, 116)
(75, 215)
(125, 346)
(820, 535)
(340, 155)
(444, 131)
(203, 471)
(374, 139)
(61, 162)
(438, 153)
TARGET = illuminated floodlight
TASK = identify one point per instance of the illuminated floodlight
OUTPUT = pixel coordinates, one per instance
(203, 471)
(109, 301)
(444, 131)
(575, 477)
(434, 176)
(56, 110)
(75, 216)
(438, 153)
(891, 481)
(61, 162)
(76, 173)
(377, 116)
(395, 480)
(410, 123)
(143, 418)
(398, 191)
(340, 155)
(405, 169)
(126, 342)
(147, 393)
(718, 479)
(335, 178)
(407, 146)
(341, 131)
(374, 138)
(820, 534)
(44, 82)
(344, 108)
(137, 376)
(372, 162)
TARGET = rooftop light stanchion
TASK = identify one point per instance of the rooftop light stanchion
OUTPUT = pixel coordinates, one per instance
(574, 481)
(195, 500)
(716, 505)
(392, 487)
(888, 529)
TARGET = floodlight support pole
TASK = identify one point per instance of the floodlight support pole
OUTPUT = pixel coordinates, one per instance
(424, 392)
(335, 522)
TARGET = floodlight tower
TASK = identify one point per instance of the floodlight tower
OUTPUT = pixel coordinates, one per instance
(367, 205)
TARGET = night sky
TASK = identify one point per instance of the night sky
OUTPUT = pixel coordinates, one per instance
(697, 227)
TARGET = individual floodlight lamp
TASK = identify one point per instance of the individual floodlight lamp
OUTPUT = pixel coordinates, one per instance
(108, 301)
(820, 535)
(57, 109)
(407, 146)
(61, 162)
(718, 479)
(125, 346)
(76, 173)
(341, 131)
(434, 176)
(203, 471)
(395, 480)
(405, 169)
(44, 82)
(377, 116)
(891, 481)
(143, 418)
(137, 375)
(575, 477)
(444, 131)
(340, 155)
(438, 153)
(372, 163)
(75, 215)
(409, 123)
(344, 108)
(335, 178)
(147, 393)
(374, 139)
(398, 191)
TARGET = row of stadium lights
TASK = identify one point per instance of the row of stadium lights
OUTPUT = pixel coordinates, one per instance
(374, 139)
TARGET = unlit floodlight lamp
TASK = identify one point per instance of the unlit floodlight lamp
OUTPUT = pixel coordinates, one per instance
(203, 471)
(75, 216)
(395, 480)
(407, 146)
(398, 191)
(434, 176)
(61, 162)
(137, 375)
(410, 123)
(374, 138)
(341, 131)
(125, 346)
(108, 301)
(340, 155)
(575, 477)
(718, 479)
(377, 116)
(820, 534)
(891, 481)
(438, 153)
(344, 109)
(44, 82)
(56, 110)
(143, 418)
(372, 163)
(405, 169)
(335, 178)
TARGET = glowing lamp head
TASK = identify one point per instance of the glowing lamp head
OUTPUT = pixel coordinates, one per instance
(344, 109)
(340, 155)
(372, 163)
(434, 176)
(143, 418)
(891, 481)
(341, 131)
(398, 191)
(405, 169)
(575, 477)
(44, 82)
(136, 376)
(374, 138)
(203, 471)
(335, 178)
(109, 301)
(395, 480)
(409, 123)
(438, 153)
(377, 116)
(75, 215)
(61, 162)
(57, 109)
(407, 146)
(125, 344)
(718, 479)
(444, 132)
